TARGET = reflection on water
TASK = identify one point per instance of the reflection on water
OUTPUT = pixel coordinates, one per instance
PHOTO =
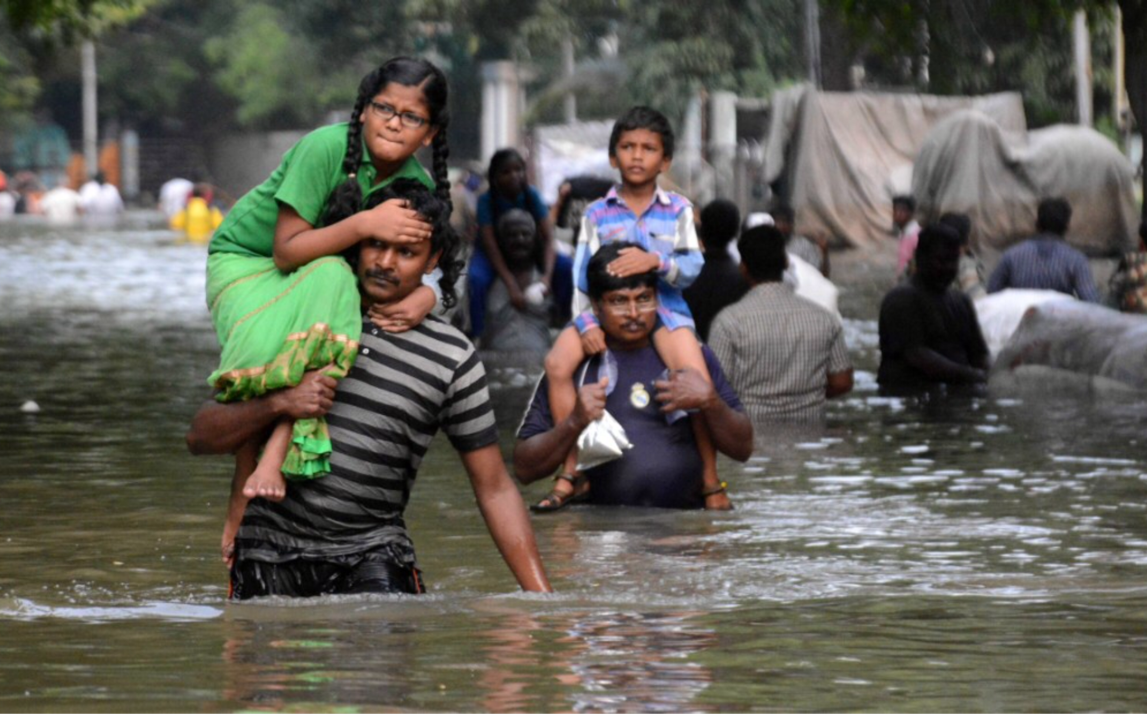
(945, 554)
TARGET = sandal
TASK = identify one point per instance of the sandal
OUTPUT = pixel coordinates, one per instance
(555, 501)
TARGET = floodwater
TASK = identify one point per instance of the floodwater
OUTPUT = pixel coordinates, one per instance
(948, 555)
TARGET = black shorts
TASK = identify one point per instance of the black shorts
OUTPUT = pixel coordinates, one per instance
(342, 575)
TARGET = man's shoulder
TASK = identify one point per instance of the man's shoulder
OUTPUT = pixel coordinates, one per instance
(434, 342)
(780, 300)
(443, 331)
(904, 293)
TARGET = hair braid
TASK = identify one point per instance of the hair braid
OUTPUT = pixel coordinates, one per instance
(450, 262)
(346, 199)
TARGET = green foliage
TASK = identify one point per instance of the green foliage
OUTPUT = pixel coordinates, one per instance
(70, 19)
(271, 73)
(980, 46)
(19, 86)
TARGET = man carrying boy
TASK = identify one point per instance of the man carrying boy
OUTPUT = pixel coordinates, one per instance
(661, 226)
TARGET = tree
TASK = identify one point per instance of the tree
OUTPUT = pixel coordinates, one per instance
(32, 31)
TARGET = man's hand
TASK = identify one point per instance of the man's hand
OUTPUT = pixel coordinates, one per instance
(405, 314)
(686, 389)
(311, 398)
(590, 405)
(632, 261)
(517, 296)
(718, 501)
(593, 341)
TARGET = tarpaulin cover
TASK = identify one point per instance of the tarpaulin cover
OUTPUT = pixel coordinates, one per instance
(1082, 338)
(840, 154)
(970, 164)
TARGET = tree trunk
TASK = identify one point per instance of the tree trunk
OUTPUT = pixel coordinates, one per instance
(837, 51)
(1135, 43)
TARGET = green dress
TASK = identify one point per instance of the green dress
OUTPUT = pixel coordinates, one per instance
(273, 326)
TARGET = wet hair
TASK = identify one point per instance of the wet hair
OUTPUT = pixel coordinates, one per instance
(960, 223)
(346, 199)
(785, 212)
(600, 282)
(641, 117)
(1053, 215)
(720, 220)
(443, 237)
(763, 253)
(936, 237)
(908, 202)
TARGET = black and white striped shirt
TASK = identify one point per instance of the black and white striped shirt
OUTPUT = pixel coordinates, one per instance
(401, 390)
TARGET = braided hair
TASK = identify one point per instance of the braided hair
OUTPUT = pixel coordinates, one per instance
(443, 237)
(346, 199)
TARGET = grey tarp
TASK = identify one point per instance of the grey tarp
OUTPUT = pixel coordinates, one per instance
(838, 153)
(970, 164)
(1065, 339)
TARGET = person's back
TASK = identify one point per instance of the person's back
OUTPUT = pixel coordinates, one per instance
(7, 205)
(720, 282)
(784, 354)
(61, 205)
(1046, 261)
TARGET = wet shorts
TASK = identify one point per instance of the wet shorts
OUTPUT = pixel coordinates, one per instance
(342, 575)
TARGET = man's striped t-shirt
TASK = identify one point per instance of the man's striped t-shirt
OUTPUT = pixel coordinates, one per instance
(402, 389)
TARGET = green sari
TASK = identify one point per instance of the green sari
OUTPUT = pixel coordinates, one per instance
(274, 327)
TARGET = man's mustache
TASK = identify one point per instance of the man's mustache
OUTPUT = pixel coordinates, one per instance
(382, 276)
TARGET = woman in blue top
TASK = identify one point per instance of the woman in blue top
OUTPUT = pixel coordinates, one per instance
(509, 189)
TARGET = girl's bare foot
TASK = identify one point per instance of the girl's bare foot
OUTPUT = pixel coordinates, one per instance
(270, 485)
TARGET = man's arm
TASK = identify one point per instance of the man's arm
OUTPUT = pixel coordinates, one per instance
(505, 515)
(731, 430)
(538, 456)
(223, 428)
(839, 372)
(838, 384)
(1084, 282)
(940, 368)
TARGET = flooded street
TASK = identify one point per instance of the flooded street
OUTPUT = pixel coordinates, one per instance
(943, 555)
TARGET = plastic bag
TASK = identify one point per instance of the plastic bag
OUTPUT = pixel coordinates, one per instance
(604, 440)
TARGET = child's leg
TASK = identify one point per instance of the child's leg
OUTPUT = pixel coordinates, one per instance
(245, 462)
(267, 480)
(679, 349)
(561, 364)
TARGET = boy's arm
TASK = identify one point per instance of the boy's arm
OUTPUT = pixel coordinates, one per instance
(684, 266)
(505, 514)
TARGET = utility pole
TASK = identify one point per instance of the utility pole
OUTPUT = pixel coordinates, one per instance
(1119, 96)
(91, 137)
(570, 100)
(1082, 51)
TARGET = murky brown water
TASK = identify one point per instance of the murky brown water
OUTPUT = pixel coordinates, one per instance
(953, 555)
